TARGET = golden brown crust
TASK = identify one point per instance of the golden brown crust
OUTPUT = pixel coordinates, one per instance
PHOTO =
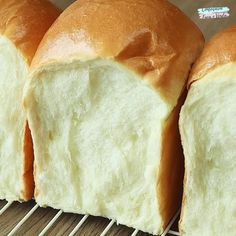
(28, 153)
(25, 22)
(170, 178)
(151, 37)
(220, 50)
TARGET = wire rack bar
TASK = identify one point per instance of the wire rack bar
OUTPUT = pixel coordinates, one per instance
(6, 206)
(73, 232)
(135, 232)
(170, 224)
(78, 226)
(107, 228)
(22, 221)
(52, 221)
(174, 232)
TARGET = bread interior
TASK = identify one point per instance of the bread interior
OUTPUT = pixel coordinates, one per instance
(97, 129)
(13, 73)
(208, 133)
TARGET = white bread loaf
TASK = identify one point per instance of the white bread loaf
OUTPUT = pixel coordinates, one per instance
(208, 133)
(22, 26)
(102, 107)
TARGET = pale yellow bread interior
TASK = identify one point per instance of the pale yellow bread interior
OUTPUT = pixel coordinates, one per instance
(97, 132)
(13, 73)
(208, 133)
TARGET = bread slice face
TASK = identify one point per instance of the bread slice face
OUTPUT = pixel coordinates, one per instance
(97, 131)
(22, 26)
(14, 71)
(208, 133)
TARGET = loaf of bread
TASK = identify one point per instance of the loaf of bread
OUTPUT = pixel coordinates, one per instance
(102, 104)
(22, 25)
(208, 133)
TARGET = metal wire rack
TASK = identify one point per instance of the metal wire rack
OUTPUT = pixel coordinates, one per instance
(21, 219)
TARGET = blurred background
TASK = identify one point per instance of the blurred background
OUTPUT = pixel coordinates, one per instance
(62, 3)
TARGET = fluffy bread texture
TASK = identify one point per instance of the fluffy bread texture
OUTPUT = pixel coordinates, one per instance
(208, 132)
(102, 105)
(22, 26)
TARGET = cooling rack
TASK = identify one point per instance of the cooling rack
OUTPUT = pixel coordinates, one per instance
(28, 219)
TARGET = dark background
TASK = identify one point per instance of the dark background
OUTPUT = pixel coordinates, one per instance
(209, 27)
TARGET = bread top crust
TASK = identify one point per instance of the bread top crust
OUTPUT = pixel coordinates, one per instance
(25, 22)
(220, 50)
(152, 37)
